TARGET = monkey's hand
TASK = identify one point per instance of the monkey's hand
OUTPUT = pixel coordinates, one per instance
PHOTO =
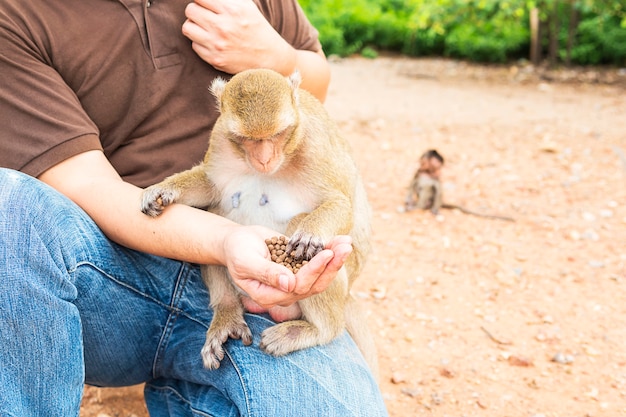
(305, 245)
(155, 198)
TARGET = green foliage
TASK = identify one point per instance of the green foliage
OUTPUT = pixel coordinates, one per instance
(486, 43)
(345, 27)
(368, 52)
(601, 40)
(478, 30)
(489, 32)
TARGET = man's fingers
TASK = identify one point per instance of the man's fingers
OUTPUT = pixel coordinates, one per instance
(279, 277)
(341, 250)
(265, 296)
(215, 6)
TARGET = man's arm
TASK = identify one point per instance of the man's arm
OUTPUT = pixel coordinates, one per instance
(190, 234)
(234, 36)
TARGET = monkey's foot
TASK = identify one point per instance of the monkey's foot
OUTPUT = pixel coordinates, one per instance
(290, 336)
(155, 198)
(216, 336)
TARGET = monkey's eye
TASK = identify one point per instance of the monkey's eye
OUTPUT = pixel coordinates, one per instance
(283, 134)
(237, 139)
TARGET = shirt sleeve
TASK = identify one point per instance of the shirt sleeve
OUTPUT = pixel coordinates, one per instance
(42, 121)
(290, 21)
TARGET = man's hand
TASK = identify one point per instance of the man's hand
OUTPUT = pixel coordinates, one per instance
(272, 287)
(234, 36)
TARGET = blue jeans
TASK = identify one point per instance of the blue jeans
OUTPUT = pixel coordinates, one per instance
(77, 308)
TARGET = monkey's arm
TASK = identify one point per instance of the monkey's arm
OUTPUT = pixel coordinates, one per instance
(191, 187)
(410, 200)
(334, 216)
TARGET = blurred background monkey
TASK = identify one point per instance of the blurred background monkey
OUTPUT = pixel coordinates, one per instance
(276, 159)
(426, 193)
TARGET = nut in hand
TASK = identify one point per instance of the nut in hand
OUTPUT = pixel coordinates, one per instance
(277, 246)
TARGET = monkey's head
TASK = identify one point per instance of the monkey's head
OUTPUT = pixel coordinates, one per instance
(259, 113)
(431, 163)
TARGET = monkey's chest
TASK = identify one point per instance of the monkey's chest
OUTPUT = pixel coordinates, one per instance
(264, 201)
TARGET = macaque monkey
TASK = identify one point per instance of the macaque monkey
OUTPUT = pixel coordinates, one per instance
(425, 191)
(276, 159)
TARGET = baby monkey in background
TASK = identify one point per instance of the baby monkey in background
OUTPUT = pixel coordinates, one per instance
(276, 159)
(425, 191)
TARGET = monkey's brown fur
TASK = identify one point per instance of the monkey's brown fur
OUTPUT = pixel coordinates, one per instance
(276, 158)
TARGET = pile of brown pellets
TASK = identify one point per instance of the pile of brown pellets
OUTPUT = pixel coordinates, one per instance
(278, 249)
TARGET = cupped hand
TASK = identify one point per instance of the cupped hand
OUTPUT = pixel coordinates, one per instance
(269, 284)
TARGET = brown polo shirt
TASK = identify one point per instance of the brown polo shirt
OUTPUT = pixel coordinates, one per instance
(112, 75)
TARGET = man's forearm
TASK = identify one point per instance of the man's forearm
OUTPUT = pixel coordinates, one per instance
(181, 232)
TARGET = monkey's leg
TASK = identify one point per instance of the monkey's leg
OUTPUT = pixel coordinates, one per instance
(437, 197)
(228, 318)
(323, 320)
(426, 196)
(191, 187)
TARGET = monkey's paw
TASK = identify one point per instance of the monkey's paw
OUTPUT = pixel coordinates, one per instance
(305, 245)
(287, 337)
(213, 350)
(154, 199)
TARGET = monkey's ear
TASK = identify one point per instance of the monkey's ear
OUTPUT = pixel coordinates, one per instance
(294, 82)
(217, 89)
(295, 79)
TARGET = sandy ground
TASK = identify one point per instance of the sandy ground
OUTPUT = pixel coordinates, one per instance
(473, 316)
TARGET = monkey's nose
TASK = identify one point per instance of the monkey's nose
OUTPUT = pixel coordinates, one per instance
(263, 167)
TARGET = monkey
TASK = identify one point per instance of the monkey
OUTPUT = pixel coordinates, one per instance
(277, 159)
(425, 191)
(426, 184)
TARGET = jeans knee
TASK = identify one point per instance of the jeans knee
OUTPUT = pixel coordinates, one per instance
(29, 204)
(11, 183)
(23, 195)
(40, 224)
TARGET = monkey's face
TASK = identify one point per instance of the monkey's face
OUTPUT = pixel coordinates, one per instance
(259, 115)
(261, 129)
(431, 166)
(266, 155)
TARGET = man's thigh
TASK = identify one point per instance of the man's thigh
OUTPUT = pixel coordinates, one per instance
(127, 308)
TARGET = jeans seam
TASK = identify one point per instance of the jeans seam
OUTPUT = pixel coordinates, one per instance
(181, 397)
(117, 281)
(163, 340)
(242, 382)
(175, 312)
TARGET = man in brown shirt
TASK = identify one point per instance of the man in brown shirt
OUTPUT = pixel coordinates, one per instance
(97, 99)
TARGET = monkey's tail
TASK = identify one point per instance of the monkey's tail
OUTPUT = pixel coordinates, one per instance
(360, 333)
(474, 213)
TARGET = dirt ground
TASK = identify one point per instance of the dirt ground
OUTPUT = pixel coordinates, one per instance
(474, 316)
